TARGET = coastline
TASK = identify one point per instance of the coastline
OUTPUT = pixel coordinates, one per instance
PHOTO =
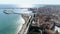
(26, 18)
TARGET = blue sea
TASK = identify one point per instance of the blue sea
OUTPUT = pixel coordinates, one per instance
(10, 23)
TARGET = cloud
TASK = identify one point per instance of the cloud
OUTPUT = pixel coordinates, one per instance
(29, 2)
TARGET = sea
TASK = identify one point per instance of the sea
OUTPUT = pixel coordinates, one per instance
(10, 23)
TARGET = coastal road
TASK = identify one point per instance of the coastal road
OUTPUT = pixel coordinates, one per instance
(25, 25)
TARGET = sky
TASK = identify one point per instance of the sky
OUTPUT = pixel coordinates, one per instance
(53, 2)
(29, 3)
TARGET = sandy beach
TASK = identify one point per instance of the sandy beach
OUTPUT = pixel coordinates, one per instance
(26, 18)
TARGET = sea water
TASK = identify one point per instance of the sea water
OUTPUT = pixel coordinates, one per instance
(10, 23)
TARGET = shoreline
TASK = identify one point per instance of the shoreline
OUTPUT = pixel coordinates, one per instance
(22, 29)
